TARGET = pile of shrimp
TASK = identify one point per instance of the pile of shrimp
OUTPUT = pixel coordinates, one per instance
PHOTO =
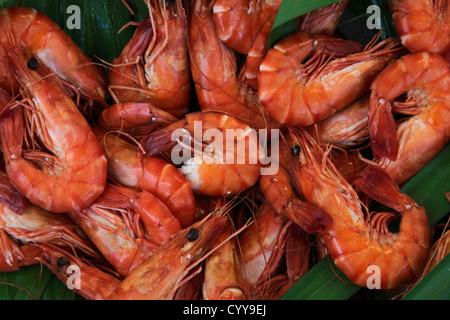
(122, 168)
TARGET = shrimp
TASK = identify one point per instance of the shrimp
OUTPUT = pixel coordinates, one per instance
(218, 84)
(278, 192)
(262, 245)
(127, 226)
(356, 242)
(239, 22)
(23, 224)
(155, 279)
(222, 270)
(299, 77)
(323, 21)
(65, 170)
(346, 128)
(36, 34)
(135, 118)
(229, 164)
(151, 174)
(154, 65)
(403, 149)
(423, 25)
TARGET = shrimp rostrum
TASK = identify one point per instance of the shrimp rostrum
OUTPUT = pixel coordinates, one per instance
(361, 245)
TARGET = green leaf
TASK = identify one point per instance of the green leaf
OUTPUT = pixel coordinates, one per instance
(435, 285)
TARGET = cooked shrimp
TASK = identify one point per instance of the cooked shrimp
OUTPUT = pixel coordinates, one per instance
(151, 174)
(302, 80)
(403, 149)
(359, 244)
(127, 226)
(218, 84)
(37, 35)
(154, 65)
(222, 269)
(229, 164)
(262, 246)
(323, 21)
(134, 118)
(279, 193)
(422, 25)
(238, 22)
(69, 171)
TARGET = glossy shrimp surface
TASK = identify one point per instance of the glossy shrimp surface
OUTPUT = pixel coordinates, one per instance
(404, 147)
(154, 65)
(35, 33)
(355, 241)
(299, 91)
(422, 25)
(69, 172)
(151, 174)
(228, 164)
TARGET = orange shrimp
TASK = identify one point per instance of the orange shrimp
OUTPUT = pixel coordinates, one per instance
(52, 156)
(222, 270)
(154, 65)
(157, 278)
(127, 226)
(403, 149)
(239, 22)
(134, 118)
(35, 33)
(24, 224)
(262, 246)
(323, 21)
(300, 75)
(229, 164)
(151, 174)
(422, 25)
(218, 84)
(278, 192)
(362, 247)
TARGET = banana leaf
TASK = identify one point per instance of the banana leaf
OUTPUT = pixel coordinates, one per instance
(99, 38)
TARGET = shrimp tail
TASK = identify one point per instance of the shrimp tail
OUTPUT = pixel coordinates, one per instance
(383, 131)
(376, 183)
(158, 142)
(10, 197)
(308, 216)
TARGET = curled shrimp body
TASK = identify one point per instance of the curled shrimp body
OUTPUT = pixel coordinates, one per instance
(154, 65)
(65, 170)
(403, 149)
(299, 83)
(127, 226)
(151, 174)
(35, 33)
(422, 25)
(357, 242)
(323, 21)
(218, 83)
(227, 165)
(239, 22)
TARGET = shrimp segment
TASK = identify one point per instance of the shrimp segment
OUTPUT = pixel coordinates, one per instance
(70, 171)
(403, 149)
(33, 32)
(151, 174)
(302, 80)
(355, 242)
(422, 25)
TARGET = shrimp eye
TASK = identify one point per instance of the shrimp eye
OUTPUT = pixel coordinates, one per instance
(32, 64)
(296, 150)
(193, 234)
(62, 262)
